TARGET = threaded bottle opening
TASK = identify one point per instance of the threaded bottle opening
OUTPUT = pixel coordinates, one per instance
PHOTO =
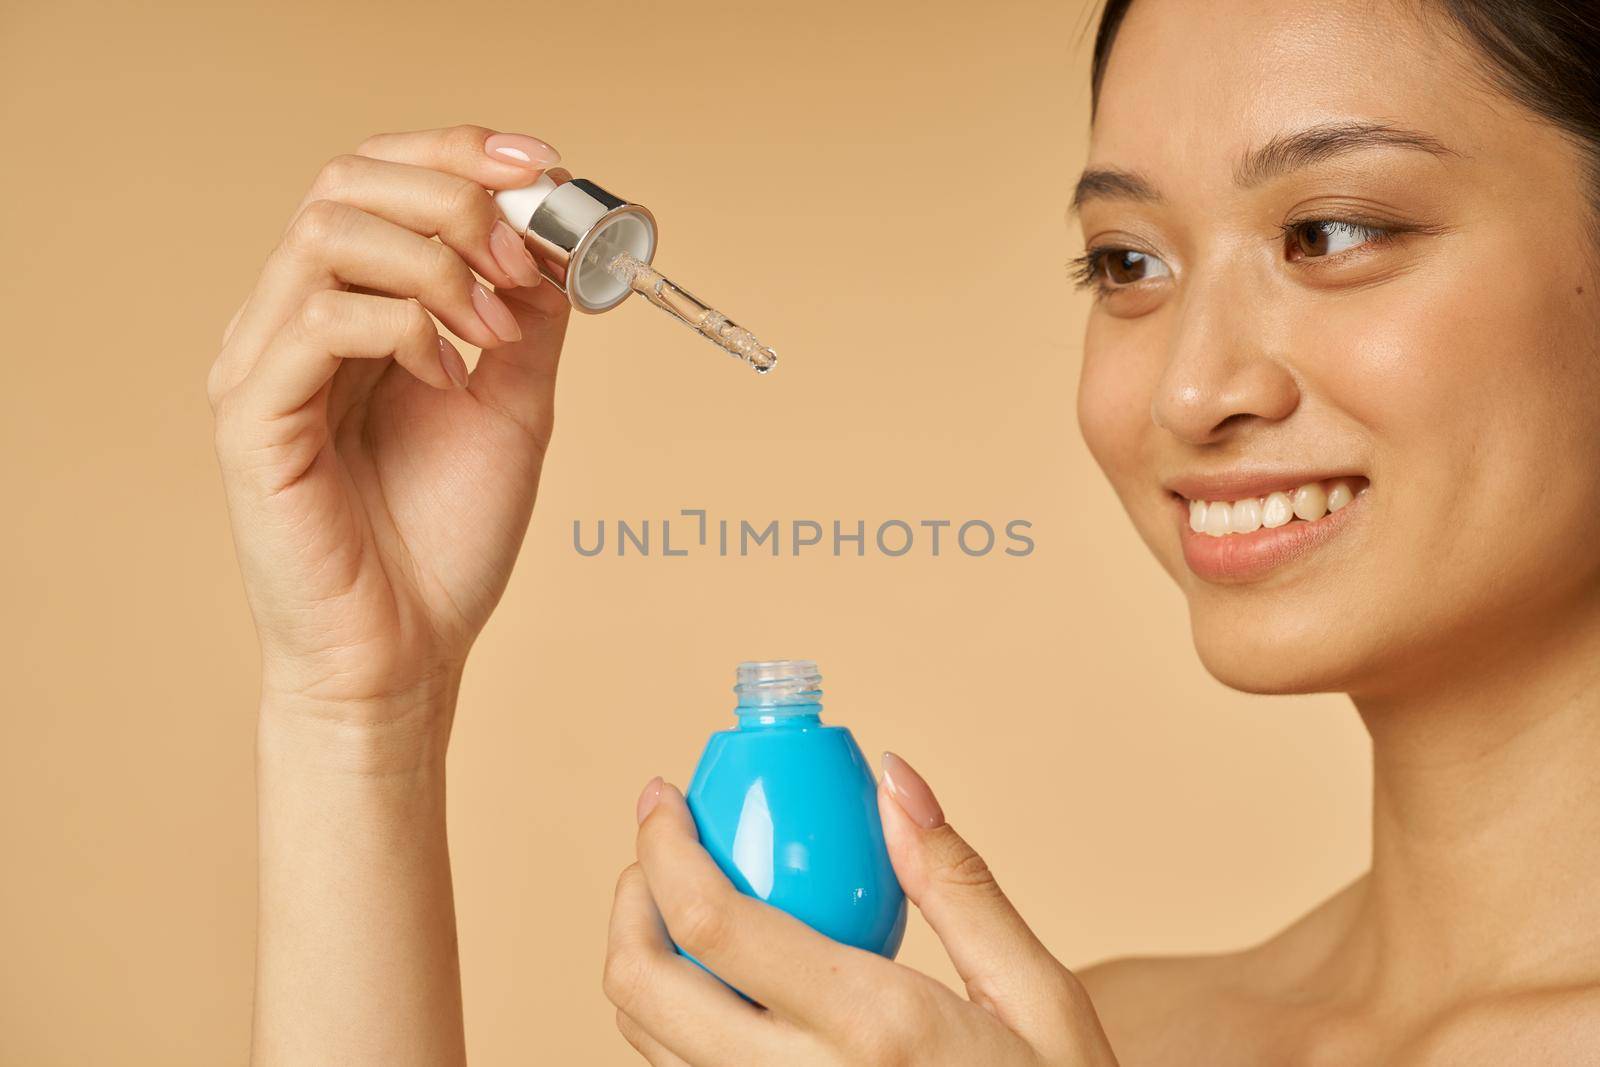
(779, 683)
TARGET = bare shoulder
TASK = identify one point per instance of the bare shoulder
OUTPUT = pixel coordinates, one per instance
(1159, 1009)
(1548, 1026)
(1222, 1007)
(1163, 1011)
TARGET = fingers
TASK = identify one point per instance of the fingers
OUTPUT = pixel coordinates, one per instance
(493, 160)
(332, 245)
(334, 325)
(433, 203)
(519, 379)
(1003, 965)
(669, 1000)
(770, 956)
(346, 244)
(430, 183)
(654, 1052)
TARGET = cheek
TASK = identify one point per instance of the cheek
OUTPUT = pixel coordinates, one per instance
(1114, 395)
(1467, 381)
(1121, 371)
(1478, 389)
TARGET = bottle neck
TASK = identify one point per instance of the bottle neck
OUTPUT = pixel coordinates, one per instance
(778, 694)
(790, 719)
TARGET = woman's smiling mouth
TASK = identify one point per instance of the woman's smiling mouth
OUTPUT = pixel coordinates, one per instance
(1236, 529)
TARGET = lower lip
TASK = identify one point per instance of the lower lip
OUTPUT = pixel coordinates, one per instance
(1234, 558)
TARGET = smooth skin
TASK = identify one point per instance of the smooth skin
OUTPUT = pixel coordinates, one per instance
(378, 496)
(1428, 318)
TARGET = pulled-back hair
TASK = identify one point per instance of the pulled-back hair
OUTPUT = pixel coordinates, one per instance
(1544, 54)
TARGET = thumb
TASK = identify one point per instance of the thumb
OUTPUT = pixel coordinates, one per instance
(1005, 968)
(519, 378)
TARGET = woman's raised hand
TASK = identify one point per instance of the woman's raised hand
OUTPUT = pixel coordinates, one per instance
(378, 494)
(826, 1003)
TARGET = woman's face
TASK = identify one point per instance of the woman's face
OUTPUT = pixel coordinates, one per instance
(1339, 254)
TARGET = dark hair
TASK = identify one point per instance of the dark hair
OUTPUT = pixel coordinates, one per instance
(1544, 54)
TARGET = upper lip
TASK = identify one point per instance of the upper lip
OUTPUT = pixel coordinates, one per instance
(1241, 483)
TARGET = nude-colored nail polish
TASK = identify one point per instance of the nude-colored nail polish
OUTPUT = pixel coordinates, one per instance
(450, 359)
(649, 798)
(521, 150)
(511, 254)
(911, 792)
(538, 277)
(495, 315)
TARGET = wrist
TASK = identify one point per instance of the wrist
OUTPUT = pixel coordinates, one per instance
(399, 732)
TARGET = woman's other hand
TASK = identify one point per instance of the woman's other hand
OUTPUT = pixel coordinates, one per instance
(379, 495)
(827, 1003)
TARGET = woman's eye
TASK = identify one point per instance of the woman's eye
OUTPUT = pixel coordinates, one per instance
(1114, 268)
(1124, 267)
(1326, 237)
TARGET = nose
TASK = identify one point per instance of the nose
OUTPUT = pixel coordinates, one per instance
(1221, 373)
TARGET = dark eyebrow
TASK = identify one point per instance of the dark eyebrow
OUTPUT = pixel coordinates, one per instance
(1290, 151)
(1113, 183)
(1283, 153)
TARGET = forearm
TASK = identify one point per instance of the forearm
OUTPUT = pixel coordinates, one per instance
(356, 936)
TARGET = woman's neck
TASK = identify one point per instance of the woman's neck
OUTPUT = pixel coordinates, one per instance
(1486, 823)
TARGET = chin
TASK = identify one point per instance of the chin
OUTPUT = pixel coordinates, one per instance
(1276, 656)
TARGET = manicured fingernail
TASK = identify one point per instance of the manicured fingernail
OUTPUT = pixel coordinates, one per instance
(520, 149)
(649, 798)
(453, 364)
(512, 255)
(911, 792)
(495, 315)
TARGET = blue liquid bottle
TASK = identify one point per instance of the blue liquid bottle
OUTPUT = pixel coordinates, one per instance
(788, 808)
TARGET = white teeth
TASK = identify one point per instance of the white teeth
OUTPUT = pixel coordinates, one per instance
(1245, 516)
(1310, 502)
(1217, 518)
(1277, 510)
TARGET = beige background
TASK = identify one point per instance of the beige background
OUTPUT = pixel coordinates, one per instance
(877, 189)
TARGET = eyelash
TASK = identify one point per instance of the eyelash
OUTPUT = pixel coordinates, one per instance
(1380, 234)
(1085, 269)
(1087, 272)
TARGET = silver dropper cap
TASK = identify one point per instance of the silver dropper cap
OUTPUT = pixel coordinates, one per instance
(575, 230)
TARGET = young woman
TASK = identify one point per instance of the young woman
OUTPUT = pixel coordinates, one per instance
(1343, 256)
(1343, 370)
